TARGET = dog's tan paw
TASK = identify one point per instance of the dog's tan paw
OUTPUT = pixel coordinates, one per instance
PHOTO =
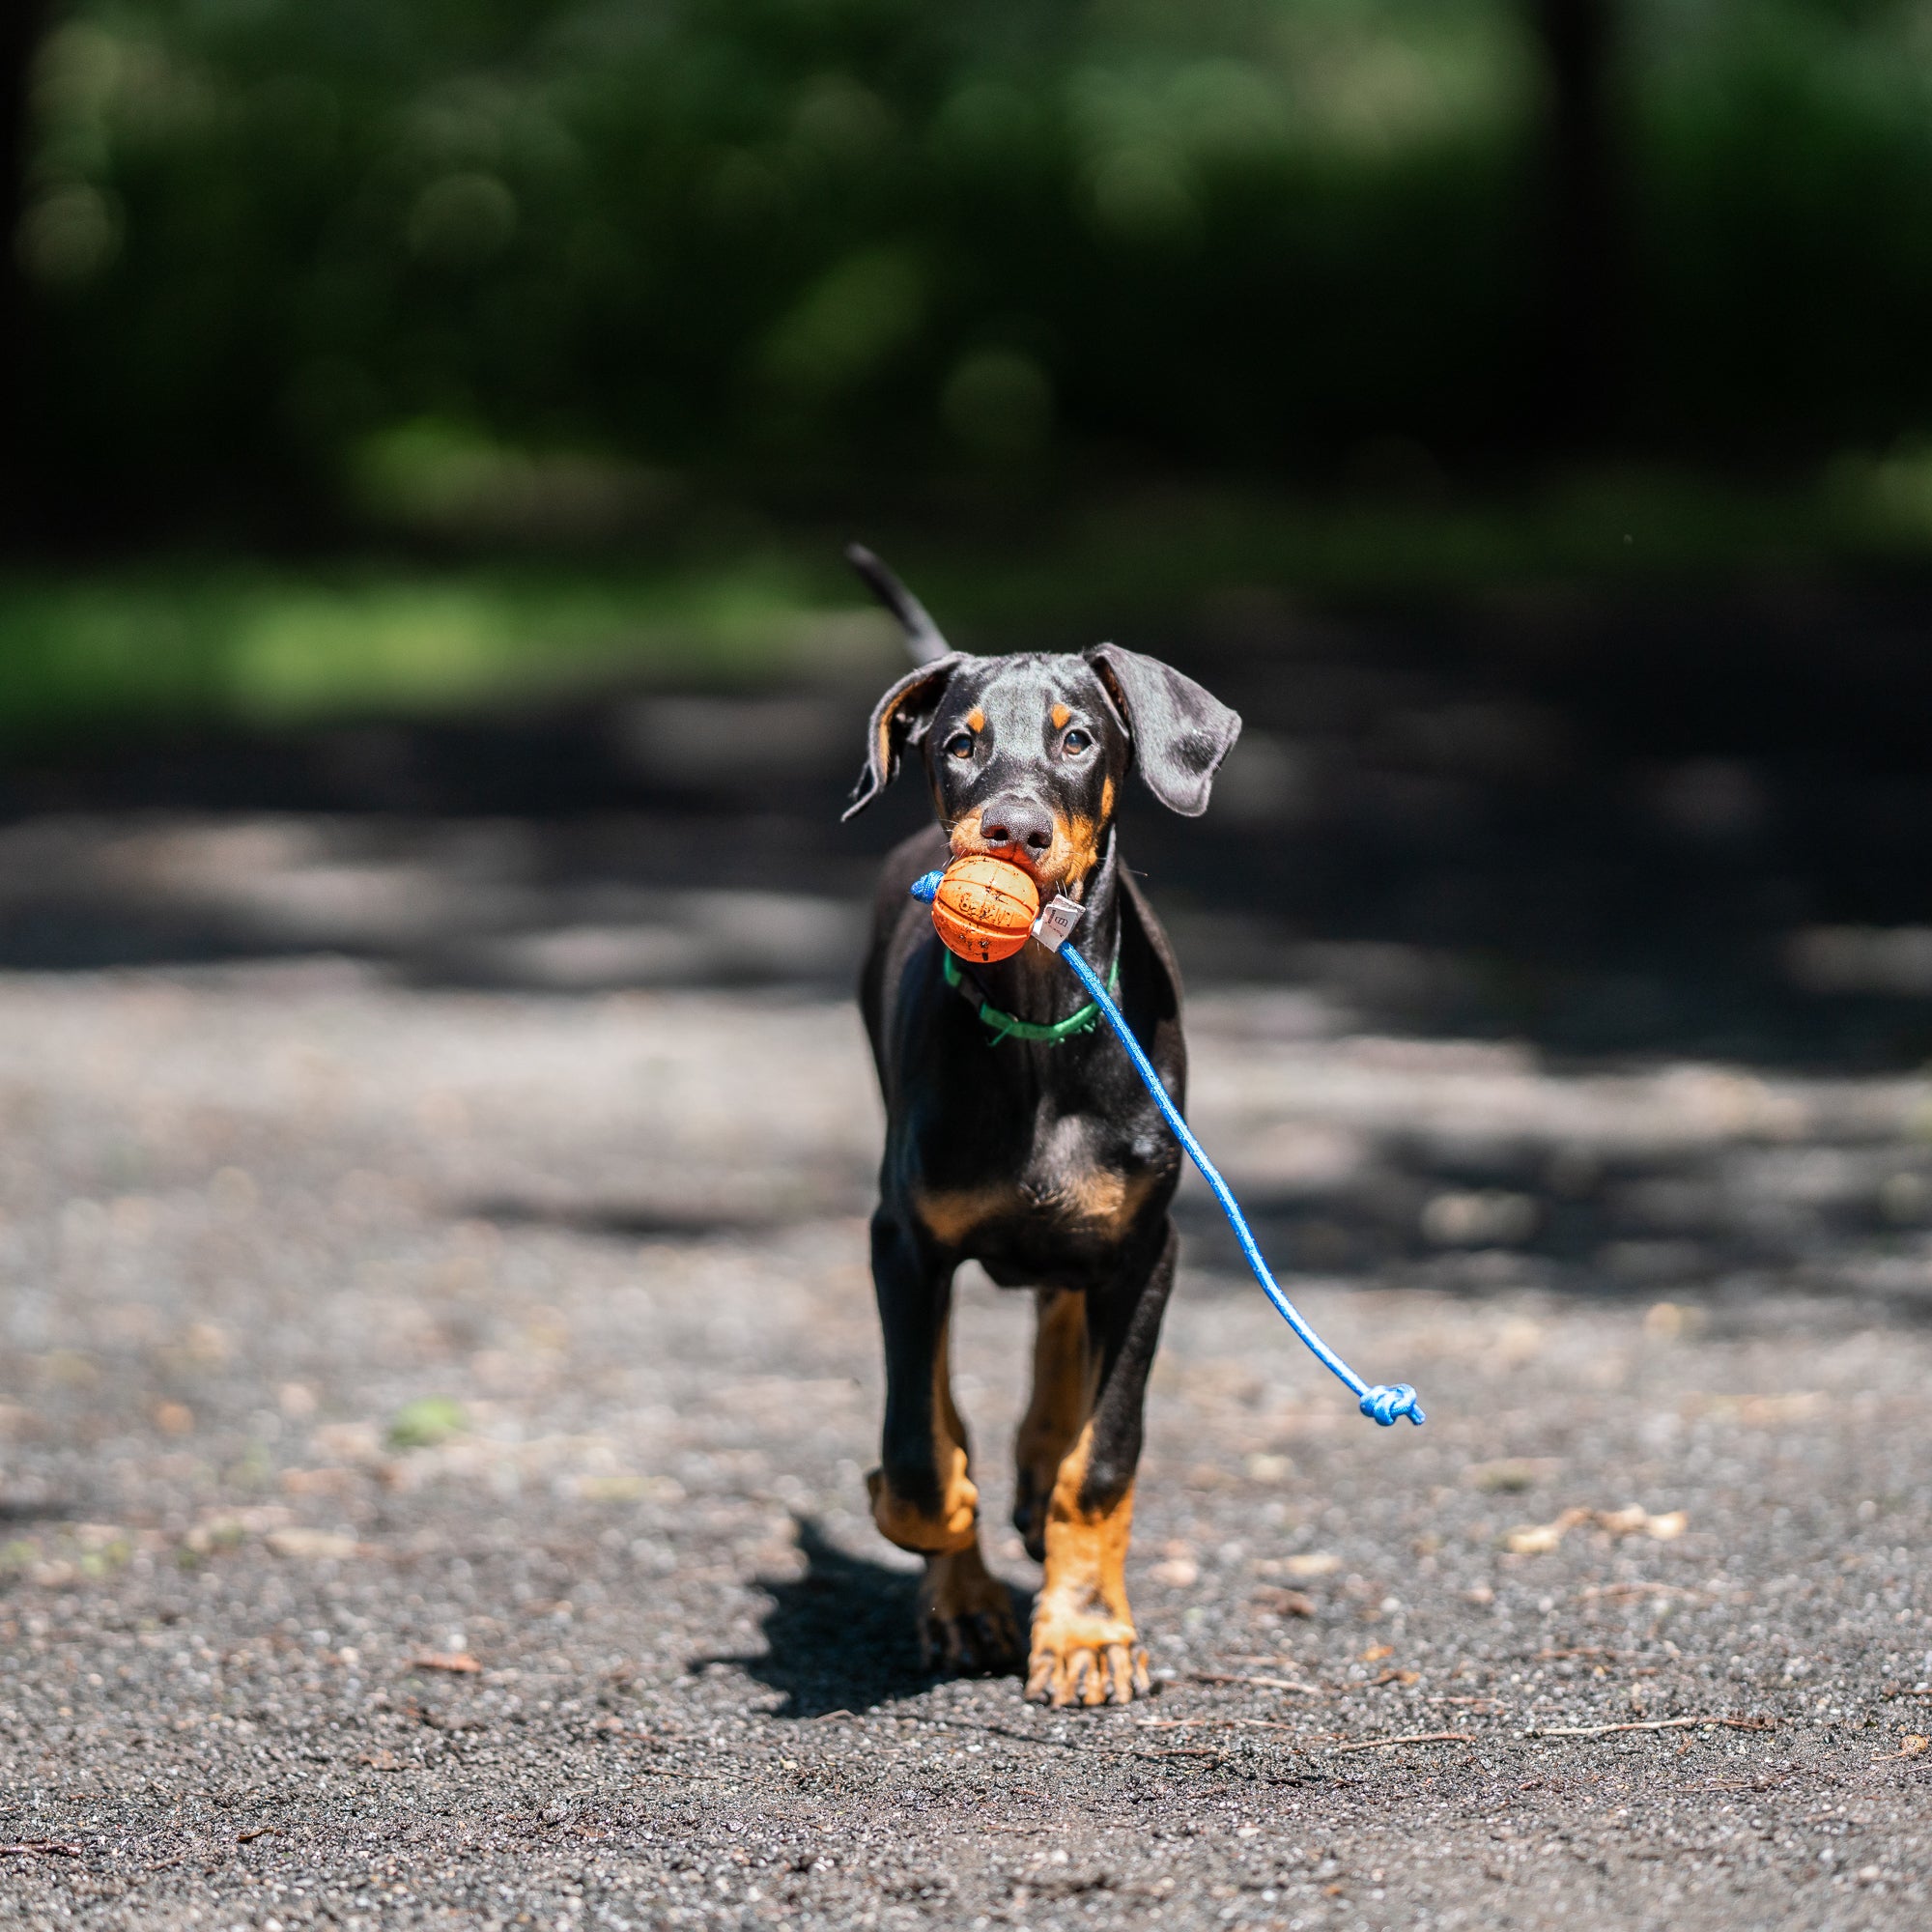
(966, 1615)
(950, 1529)
(1086, 1660)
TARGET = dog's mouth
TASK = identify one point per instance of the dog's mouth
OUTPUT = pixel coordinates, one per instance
(1061, 866)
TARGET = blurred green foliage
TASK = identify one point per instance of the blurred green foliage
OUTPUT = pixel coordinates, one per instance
(502, 265)
(426, 1422)
(256, 643)
(188, 639)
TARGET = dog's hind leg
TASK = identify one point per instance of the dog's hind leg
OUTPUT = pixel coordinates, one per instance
(1085, 1648)
(922, 1493)
(1064, 1370)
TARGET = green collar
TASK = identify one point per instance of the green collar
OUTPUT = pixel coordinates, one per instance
(1006, 1026)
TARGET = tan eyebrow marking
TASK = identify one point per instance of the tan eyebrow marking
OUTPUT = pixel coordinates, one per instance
(976, 719)
(1060, 715)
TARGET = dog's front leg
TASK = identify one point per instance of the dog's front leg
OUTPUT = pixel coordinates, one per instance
(922, 1493)
(1085, 1648)
(1064, 1370)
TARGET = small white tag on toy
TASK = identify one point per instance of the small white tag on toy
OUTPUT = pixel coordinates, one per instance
(1057, 918)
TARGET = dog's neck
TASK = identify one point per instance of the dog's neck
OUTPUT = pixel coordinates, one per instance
(1034, 985)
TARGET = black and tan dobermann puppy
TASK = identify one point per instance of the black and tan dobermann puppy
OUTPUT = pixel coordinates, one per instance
(1031, 1150)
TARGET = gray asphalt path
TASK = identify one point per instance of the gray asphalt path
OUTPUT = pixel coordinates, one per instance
(432, 1426)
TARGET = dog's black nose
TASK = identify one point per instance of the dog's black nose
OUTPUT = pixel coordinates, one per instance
(1016, 823)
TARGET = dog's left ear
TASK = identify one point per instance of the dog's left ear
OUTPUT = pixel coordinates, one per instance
(1180, 732)
(898, 720)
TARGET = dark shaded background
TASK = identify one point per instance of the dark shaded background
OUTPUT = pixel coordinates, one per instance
(278, 262)
(453, 412)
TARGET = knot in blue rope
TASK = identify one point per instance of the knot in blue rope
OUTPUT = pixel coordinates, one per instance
(1388, 1401)
(925, 888)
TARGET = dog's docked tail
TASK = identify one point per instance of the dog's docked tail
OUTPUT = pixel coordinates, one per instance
(923, 638)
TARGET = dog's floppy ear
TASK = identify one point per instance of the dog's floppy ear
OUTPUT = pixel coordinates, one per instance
(898, 720)
(1180, 732)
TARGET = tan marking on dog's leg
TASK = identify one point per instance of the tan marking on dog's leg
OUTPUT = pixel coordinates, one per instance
(956, 1524)
(1084, 1648)
(1063, 1396)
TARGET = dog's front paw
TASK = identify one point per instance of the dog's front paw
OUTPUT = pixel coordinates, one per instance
(966, 1615)
(1085, 1660)
(953, 1525)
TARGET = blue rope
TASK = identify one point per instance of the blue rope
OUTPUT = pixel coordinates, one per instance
(1386, 1402)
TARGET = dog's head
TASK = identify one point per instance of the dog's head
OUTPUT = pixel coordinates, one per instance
(1025, 754)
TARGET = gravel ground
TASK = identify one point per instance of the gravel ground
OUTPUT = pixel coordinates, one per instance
(435, 1425)
(437, 1368)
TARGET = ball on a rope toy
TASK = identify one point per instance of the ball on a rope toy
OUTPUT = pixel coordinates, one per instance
(985, 907)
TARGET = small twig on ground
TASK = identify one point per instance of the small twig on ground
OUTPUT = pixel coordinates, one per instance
(260, 1831)
(1915, 1746)
(826, 1717)
(1001, 1732)
(53, 1847)
(1188, 1723)
(1258, 1682)
(1651, 1724)
(1615, 1590)
(1180, 1751)
(1413, 1738)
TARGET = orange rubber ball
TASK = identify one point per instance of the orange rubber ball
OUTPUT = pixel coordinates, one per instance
(985, 908)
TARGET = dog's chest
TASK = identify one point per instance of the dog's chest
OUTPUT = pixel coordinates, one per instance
(1070, 1186)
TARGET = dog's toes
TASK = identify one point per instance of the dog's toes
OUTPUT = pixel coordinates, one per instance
(978, 1644)
(966, 1617)
(1039, 1678)
(1077, 1678)
(932, 1642)
(945, 1644)
(1104, 1670)
(1120, 1674)
(1080, 1682)
(1064, 1683)
(997, 1639)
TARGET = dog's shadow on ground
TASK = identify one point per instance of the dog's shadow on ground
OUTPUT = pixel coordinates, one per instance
(842, 1635)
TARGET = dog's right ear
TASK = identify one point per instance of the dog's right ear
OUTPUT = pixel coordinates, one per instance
(900, 719)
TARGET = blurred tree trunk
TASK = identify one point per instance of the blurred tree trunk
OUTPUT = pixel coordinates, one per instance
(1580, 360)
(20, 26)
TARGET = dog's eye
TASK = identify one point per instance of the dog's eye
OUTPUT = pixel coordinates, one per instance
(959, 745)
(1076, 741)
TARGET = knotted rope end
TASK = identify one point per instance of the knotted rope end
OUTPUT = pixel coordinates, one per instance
(1389, 1402)
(925, 888)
